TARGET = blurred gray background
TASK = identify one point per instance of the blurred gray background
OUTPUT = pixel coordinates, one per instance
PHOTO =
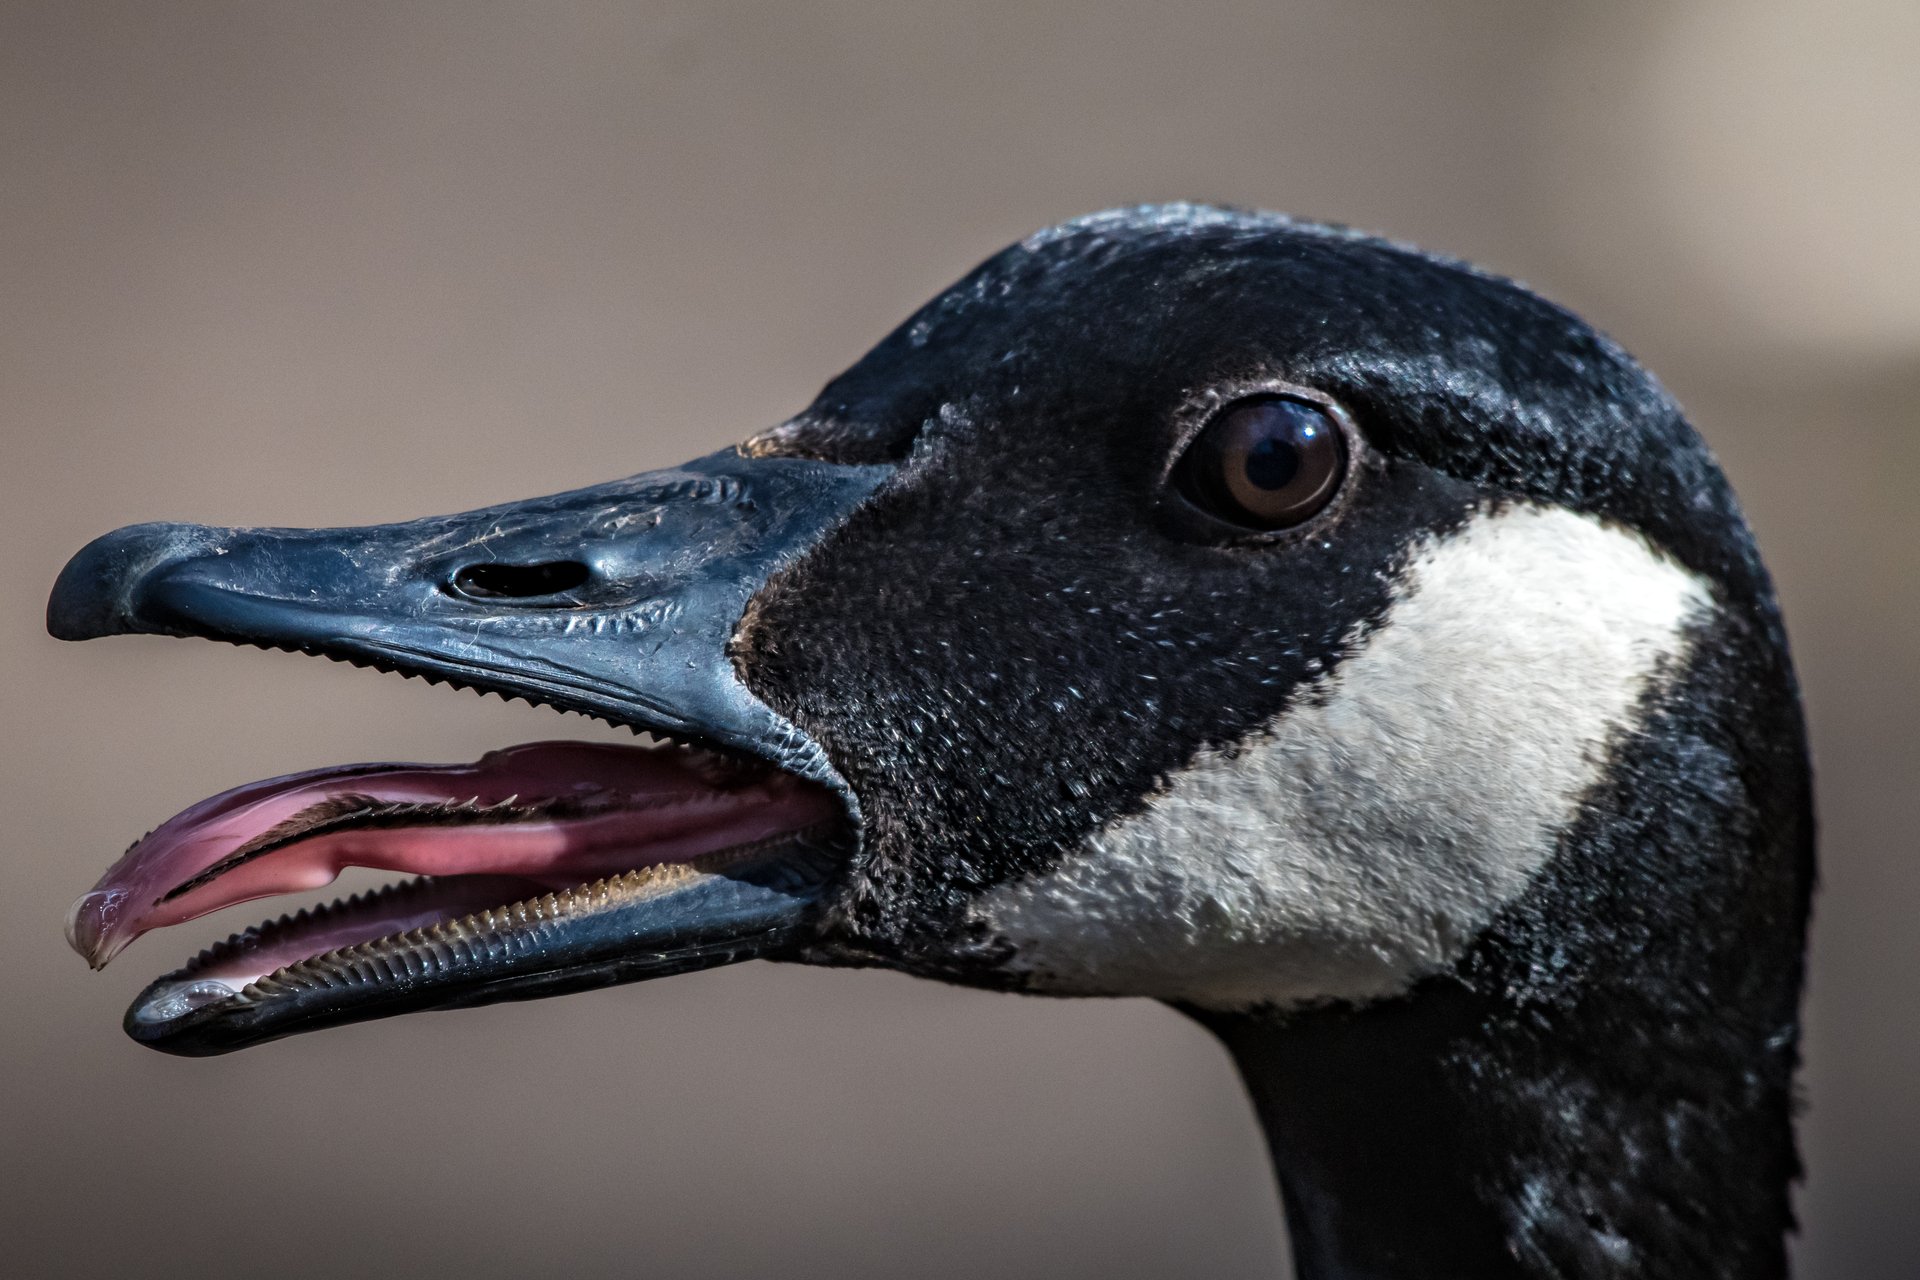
(348, 262)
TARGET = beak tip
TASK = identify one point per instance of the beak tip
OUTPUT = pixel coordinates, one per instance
(76, 610)
(97, 592)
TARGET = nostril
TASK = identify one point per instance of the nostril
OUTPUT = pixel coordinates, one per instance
(520, 581)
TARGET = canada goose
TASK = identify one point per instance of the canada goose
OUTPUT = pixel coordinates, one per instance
(1339, 643)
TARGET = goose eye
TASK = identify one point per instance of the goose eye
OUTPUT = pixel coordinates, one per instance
(1265, 464)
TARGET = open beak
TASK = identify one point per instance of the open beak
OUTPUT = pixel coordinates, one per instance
(540, 869)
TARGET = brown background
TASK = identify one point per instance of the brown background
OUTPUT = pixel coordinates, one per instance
(345, 262)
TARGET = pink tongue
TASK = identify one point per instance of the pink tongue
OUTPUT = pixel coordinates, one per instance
(624, 807)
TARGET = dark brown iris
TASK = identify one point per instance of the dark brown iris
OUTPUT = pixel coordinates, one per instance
(1266, 463)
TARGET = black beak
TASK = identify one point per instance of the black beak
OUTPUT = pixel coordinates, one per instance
(617, 600)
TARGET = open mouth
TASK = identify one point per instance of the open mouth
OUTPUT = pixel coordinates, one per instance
(528, 854)
(535, 870)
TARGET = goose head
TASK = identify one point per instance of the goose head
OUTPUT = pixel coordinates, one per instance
(1341, 644)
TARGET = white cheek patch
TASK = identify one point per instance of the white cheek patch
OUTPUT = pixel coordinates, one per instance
(1369, 832)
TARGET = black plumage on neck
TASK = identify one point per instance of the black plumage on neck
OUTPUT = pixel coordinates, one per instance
(1602, 1086)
